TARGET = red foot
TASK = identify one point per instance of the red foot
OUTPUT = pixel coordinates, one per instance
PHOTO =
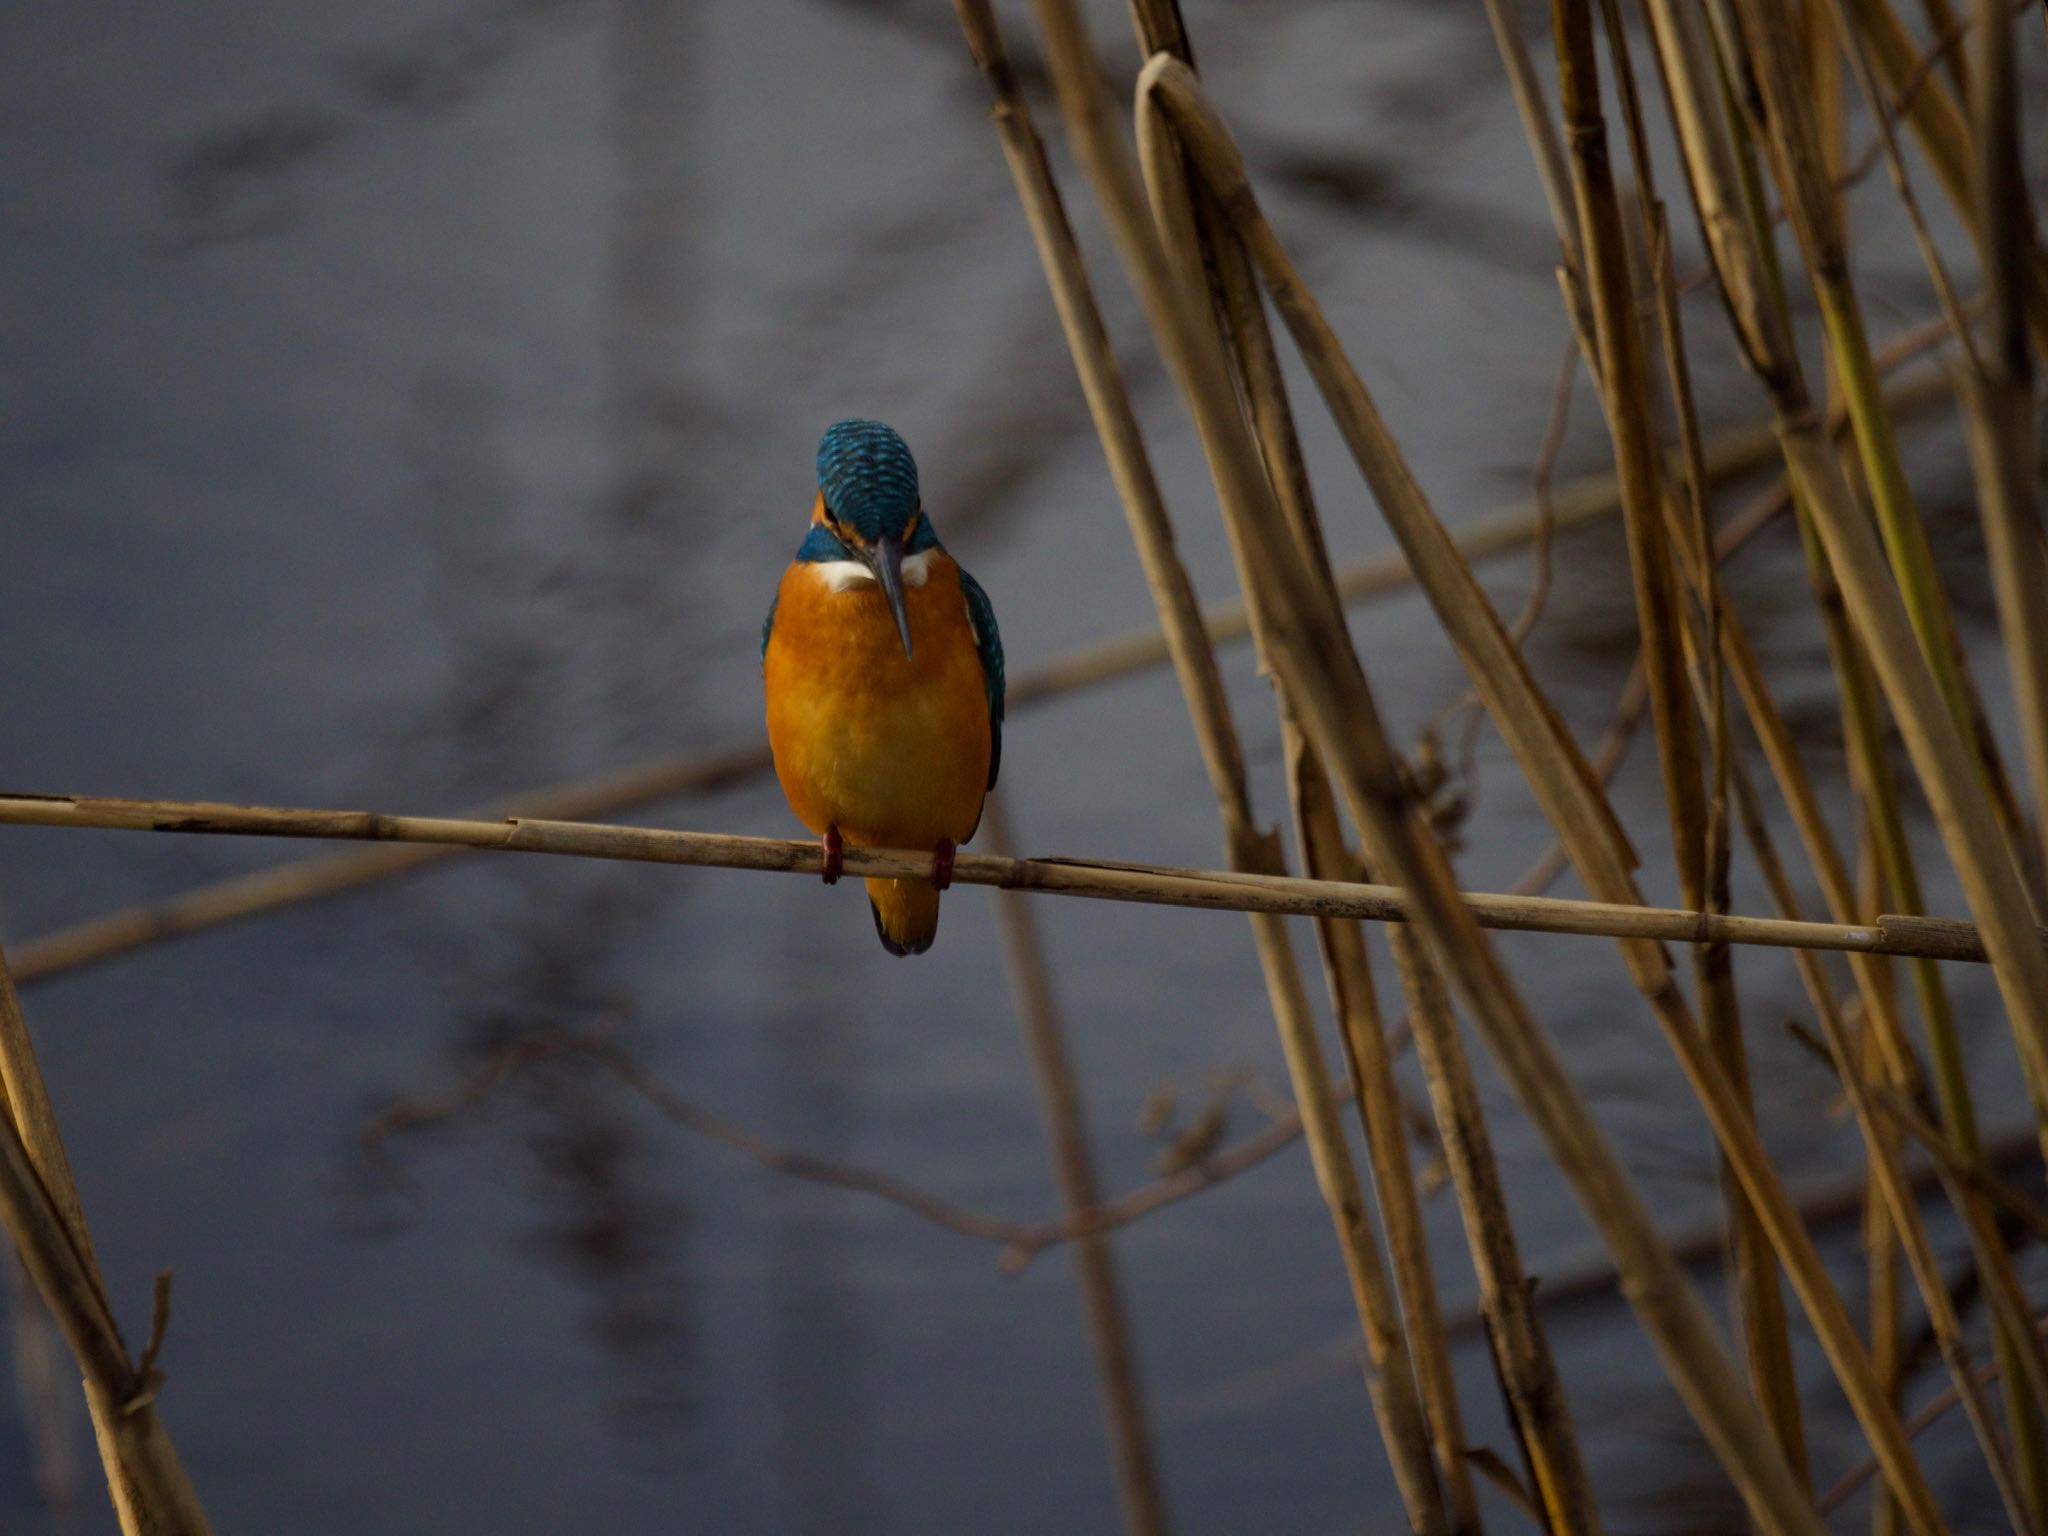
(942, 864)
(835, 855)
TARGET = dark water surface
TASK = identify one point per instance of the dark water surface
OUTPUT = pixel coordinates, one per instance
(406, 405)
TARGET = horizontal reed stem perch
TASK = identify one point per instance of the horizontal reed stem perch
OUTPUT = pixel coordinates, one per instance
(1217, 890)
(708, 771)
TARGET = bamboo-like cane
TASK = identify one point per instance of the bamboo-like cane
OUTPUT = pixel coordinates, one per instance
(1890, 1182)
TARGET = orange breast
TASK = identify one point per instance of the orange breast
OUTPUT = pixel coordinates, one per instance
(892, 750)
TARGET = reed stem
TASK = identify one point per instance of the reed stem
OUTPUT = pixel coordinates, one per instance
(1066, 1134)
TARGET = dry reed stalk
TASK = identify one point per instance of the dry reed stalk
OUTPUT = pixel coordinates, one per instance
(1191, 226)
(1887, 142)
(1885, 1037)
(1390, 1380)
(1838, 527)
(1943, 132)
(1996, 394)
(1557, 770)
(2000, 398)
(1371, 1064)
(1940, 21)
(1698, 820)
(1066, 1132)
(1765, 316)
(1148, 884)
(1986, 867)
(1346, 722)
(1924, 1418)
(1540, 129)
(1895, 1211)
(1881, 1248)
(1900, 1214)
(1888, 1181)
(1535, 1398)
(1321, 673)
(1756, 303)
(40, 1205)
(1741, 659)
(1778, 101)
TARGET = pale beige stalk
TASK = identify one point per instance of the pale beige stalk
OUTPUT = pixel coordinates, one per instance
(1390, 1376)
(39, 1199)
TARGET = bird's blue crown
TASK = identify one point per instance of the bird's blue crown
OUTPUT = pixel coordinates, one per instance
(868, 478)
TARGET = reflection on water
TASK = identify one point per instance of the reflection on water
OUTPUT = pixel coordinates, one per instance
(409, 405)
(817, 1336)
(237, 181)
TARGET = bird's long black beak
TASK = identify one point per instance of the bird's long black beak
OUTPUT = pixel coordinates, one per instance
(888, 563)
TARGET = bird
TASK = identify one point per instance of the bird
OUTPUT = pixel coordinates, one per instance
(882, 671)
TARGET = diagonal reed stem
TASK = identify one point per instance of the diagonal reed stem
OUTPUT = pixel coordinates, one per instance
(1624, 378)
(1190, 225)
(1572, 799)
(1390, 1380)
(1321, 672)
(40, 1206)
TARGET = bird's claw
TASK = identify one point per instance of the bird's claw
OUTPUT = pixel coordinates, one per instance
(834, 856)
(942, 865)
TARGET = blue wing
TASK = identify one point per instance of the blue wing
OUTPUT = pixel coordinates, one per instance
(768, 624)
(989, 642)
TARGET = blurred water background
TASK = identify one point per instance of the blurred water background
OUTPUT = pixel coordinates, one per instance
(403, 405)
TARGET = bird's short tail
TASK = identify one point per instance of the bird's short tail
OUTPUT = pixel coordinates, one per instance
(906, 914)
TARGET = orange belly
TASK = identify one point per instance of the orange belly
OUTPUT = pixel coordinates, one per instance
(891, 750)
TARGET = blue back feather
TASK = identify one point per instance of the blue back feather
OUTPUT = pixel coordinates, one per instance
(981, 614)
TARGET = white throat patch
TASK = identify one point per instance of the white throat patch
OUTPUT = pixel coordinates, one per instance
(845, 575)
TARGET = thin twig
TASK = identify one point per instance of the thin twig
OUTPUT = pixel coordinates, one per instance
(428, 1110)
(1021, 1242)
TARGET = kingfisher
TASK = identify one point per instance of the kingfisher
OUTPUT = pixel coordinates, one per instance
(883, 673)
